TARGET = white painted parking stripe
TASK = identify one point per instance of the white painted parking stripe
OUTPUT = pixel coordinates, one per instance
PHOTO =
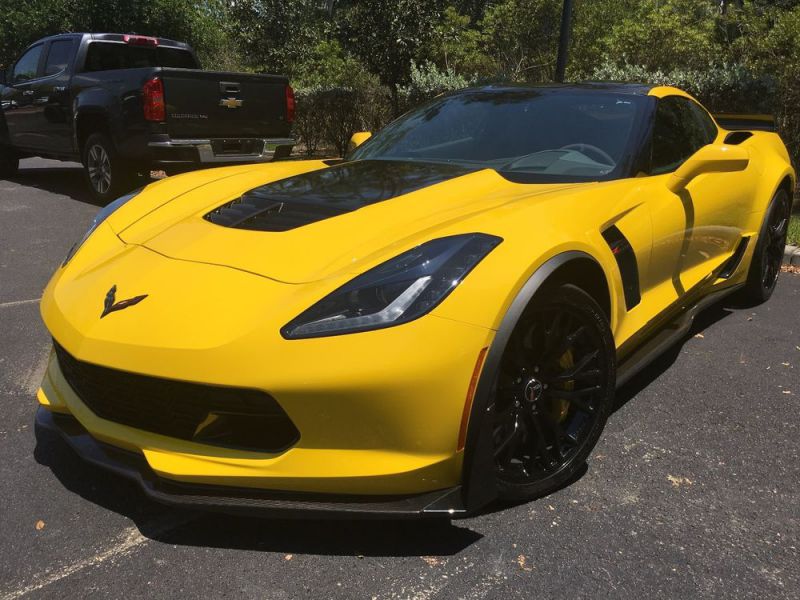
(18, 302)
(125, 543)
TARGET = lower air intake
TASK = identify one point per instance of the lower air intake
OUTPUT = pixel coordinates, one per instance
(221, 416)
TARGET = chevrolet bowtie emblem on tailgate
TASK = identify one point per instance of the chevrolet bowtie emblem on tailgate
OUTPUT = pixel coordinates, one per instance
(110, 305)
(231, 102)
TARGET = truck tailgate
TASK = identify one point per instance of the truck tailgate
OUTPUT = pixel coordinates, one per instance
(209, 104)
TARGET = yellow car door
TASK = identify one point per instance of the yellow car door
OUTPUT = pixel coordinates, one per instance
(698, 228)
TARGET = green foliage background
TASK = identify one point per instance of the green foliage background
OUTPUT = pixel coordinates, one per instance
(357, 63)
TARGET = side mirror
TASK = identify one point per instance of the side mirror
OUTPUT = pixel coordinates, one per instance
(357, 139)
(714, 158)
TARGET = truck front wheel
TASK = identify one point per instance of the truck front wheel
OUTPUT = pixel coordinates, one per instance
(9, 162)
(107, 174)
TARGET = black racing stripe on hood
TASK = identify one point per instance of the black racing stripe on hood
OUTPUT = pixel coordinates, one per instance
(311, 197)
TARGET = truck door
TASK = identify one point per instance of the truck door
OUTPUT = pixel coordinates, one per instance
(18, 104)
(51, 100)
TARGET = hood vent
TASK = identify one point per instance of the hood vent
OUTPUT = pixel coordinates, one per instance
(317, 195)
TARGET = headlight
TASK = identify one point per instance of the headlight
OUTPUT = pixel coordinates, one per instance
(397, 291)
(101, 216)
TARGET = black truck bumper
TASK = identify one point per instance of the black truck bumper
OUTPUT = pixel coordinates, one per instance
(166, 152)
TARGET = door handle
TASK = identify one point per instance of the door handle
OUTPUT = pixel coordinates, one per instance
(60, 88)
(27, 92)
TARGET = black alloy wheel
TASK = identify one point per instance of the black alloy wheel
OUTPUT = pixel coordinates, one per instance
(554, 392)
(768, 255)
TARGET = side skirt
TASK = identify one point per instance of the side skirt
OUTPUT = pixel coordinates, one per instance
(664, 336)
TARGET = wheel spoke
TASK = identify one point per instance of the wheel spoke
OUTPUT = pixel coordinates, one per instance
(511, 441)
(547, 431)
(566, 343)
(574, 394)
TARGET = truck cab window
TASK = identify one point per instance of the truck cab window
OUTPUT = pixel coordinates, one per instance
(27, 67)
(58, 56)
(107, 56)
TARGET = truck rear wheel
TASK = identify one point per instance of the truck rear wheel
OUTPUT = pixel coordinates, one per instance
(107, 174)
(9, 162)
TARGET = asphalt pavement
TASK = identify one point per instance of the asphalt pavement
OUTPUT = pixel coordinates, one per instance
(693, 491)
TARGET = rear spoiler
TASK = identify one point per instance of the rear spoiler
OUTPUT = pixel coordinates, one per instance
(746, 122)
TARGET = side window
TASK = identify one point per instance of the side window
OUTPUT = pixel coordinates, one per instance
(103, 56)
(678, 133)
(705, 122)
(58, 57)
(27, 67)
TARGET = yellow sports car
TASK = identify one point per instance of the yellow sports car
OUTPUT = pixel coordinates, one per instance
(439, 320)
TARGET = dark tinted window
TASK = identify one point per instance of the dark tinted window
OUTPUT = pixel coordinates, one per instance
(528, 135)
(705, 121)
(58, 56)
(107, 56)
(27, 66)
(678, 133)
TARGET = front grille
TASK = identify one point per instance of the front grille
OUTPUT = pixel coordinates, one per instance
(221, 416)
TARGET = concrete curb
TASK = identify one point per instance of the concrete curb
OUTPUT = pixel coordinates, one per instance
(791, 256)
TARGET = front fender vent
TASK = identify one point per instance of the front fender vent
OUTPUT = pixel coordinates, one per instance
(628, 266)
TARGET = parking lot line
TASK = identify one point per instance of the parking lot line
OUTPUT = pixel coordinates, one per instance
(128, 541)
(18, 302)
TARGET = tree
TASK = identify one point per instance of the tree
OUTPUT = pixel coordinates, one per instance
(275, 35)
(455, 44)
(665, 34)
(386, 36)
(522, 37)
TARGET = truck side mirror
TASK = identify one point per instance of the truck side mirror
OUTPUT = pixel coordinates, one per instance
(714, 158)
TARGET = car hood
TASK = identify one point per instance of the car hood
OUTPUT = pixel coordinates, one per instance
(315, 221)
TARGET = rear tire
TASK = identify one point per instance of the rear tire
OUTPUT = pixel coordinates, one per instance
(9, 162)
(107, 174)
(554, 392)
(765, 265)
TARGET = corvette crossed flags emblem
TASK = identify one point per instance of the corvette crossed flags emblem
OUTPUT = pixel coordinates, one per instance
(111, 305)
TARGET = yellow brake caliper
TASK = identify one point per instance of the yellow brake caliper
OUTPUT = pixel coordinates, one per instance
(560, 406)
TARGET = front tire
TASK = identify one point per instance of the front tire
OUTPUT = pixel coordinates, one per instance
(9, 162)
(107, 174)
(554, 392)
(768, 254)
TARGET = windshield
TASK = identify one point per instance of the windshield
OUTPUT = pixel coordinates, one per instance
(527, 134)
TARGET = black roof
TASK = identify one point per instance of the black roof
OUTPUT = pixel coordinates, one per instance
(112, 37)
(635, 89)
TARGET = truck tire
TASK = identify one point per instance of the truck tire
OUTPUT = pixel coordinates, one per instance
(107, 174)
(9, 162)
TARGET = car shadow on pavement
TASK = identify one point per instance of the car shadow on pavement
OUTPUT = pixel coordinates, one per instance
(65, 180)
(338, 537)
(654, 370)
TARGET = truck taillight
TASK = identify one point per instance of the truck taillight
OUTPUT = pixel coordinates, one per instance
(153, 100)
(290, 105)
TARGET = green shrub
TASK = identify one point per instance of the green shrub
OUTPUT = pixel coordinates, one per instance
(328, 116)
(428, 81)
(724, 88)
